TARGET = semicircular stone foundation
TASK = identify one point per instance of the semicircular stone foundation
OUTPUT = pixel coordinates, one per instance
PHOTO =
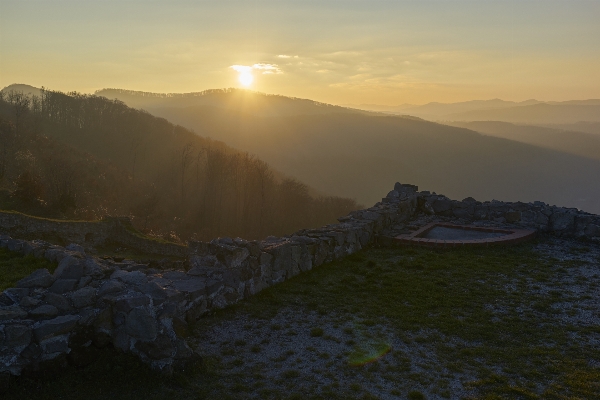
(452, 235)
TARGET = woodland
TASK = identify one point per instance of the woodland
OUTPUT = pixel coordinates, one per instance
(78, 156)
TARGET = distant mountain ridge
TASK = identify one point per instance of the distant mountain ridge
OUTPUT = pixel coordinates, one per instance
(357, 154)
(528, 111)
(247, 100)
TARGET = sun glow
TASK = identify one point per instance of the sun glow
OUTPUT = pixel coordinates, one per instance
(246, 78)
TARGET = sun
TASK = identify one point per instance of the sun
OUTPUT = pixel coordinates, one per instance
(246, 78)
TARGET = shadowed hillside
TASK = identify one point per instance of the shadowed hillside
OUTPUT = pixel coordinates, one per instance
(82, 156)
(357, 155)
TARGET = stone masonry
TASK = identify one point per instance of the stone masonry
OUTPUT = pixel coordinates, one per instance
(90, 302)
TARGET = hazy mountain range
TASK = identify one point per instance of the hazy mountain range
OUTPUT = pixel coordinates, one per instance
(528, 112)
(351, 153)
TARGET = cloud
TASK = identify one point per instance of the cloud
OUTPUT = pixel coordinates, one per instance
(286, 56)
(265, 68)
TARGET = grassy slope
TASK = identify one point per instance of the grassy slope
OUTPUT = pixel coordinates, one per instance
(485, 323)
(14, 267)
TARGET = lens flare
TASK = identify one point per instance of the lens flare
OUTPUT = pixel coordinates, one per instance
(368, 353)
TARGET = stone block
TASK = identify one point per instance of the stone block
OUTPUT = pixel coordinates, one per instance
(56, 326)
(16, 336)
(12, 312)
(110, 286)
(45, 311)
(69, 268)
(61, 286)
(58, 301)
(38, 278)
(141, 325)
(57, 344)
(83, 297)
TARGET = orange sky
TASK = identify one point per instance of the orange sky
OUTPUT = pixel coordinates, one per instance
(341, 52)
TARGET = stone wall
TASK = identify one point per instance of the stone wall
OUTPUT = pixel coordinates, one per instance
(85, 233)
(88, 303)
(559, 221)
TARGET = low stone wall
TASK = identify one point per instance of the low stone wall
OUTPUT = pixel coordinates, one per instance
(559, 221)
(89, 302)
(117, 230)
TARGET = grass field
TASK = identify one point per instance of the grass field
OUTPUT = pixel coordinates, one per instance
(14, 267)
(516, 322)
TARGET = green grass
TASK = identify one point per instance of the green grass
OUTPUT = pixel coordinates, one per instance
(509, 341)
(14, 267)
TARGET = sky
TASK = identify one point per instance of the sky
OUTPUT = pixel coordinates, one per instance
(340, 52)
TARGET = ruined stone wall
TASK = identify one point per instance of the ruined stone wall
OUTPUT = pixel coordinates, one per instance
(85, 233)
(558, 221)
(95, 302)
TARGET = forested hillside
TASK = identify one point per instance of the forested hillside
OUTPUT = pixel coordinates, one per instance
(358, 155)
(84, 156)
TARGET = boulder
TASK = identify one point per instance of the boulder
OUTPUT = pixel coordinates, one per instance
(38, 278)
(56, 326)
(12, 312)
(69, 268)
(61, 286)
(45, 311)
(58, 301)
(83, 297)
(141, 325)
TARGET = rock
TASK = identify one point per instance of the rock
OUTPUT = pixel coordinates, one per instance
(39, 278)
(29, 302)
(12, 312)
(56, 326)
(110, 286)
(195, 287)
(126, 304)
(58, 301)
(75, 247)
(512, 216)
(83, 297)
(45, 311)
(159, 348)
(61, 286)
(16, 337)
(141, 325)
(69, 268)
(441, 205)
(562, 222)
(93, 268)
(57, 344)
(84, 281)
(592, 230)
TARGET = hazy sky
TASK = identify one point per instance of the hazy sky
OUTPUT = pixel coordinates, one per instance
(342, 52)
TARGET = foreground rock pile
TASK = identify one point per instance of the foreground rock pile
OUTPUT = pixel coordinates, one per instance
(88, 302)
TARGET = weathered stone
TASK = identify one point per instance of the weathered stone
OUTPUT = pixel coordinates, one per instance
(83, 297)
(75, 247)
(39, 278)
(194, 287)
(84, 281)
(69, 268)
(92, 267)
(126, 304)
(110, 286)
(57, 344)
(441, 205)
(16, 336)
(562, 222)
(121, 340)
(512, 216)
(12, 312)
(592, 230)
(58, 301)
(158, 349)
(45, 311)
(131, 278)
(61, 286)
(141, 325)
(29, 302)
(56, 326)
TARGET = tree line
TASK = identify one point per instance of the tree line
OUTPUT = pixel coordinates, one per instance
(72, 155)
